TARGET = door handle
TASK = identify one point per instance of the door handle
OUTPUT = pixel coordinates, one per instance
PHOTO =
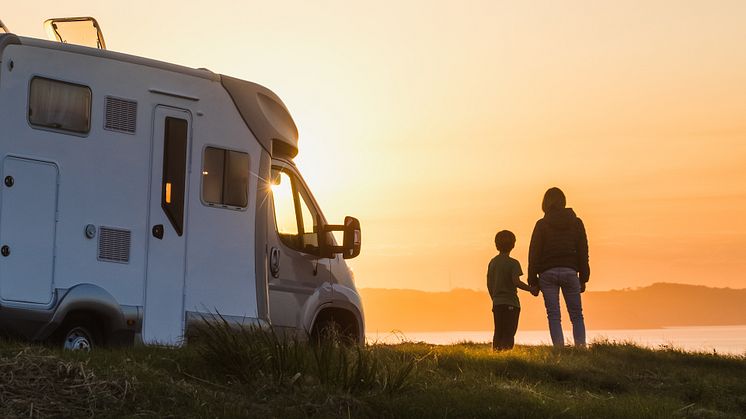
(158, 231)
(274, 262)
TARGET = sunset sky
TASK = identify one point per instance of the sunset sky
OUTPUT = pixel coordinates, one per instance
(437, 123)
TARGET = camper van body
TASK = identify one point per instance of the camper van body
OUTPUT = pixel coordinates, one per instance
(127, 213)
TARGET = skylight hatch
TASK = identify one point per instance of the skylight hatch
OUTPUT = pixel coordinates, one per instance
(75, 30)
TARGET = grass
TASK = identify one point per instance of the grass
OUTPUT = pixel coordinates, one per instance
(257, 374)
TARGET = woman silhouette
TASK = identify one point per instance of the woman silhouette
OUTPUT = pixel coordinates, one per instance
(558, 260)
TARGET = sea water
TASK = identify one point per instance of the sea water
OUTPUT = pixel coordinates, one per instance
(718, 339)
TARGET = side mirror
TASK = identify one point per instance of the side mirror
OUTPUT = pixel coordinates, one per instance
(352, 238)
(350, 243)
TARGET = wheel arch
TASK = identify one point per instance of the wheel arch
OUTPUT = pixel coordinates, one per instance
(344, 312)
(87, 300)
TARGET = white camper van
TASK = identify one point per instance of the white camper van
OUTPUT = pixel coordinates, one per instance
(136, 196)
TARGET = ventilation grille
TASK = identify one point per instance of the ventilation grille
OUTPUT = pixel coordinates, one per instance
(114, 245)
(120, 115)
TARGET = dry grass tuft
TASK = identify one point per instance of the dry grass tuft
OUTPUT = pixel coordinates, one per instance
(35, 382)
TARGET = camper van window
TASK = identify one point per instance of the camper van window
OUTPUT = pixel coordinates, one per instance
(225, 177)
(284, 203)
(59, 105)
(174, 171)
(295, 216)
(308, 222)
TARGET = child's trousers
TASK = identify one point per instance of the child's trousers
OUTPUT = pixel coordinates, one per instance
(506, 324)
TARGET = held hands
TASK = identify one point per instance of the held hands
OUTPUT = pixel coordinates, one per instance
(535, 291)
(582, 282)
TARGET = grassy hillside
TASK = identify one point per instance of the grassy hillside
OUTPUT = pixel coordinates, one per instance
(655, 306)
(256, 375)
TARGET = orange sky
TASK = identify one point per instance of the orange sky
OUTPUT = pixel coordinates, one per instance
(438, 123)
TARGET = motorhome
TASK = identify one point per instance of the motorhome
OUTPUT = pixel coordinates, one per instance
(138, 197)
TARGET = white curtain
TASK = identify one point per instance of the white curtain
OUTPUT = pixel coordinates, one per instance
(60, 105)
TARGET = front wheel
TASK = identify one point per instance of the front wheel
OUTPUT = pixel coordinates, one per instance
(330, 330)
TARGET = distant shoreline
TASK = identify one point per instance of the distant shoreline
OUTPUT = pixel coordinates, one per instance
(661, 305)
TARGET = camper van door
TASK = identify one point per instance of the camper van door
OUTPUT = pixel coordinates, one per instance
(163, 320)
(299, 278)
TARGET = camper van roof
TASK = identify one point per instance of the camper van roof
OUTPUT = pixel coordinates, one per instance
(78, 49)
(261, 109)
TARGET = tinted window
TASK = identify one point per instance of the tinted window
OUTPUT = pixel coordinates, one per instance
(174, 171)
(59, 105)
(225, 177)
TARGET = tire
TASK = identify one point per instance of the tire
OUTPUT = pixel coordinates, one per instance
(79, 334)
(330, 330)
